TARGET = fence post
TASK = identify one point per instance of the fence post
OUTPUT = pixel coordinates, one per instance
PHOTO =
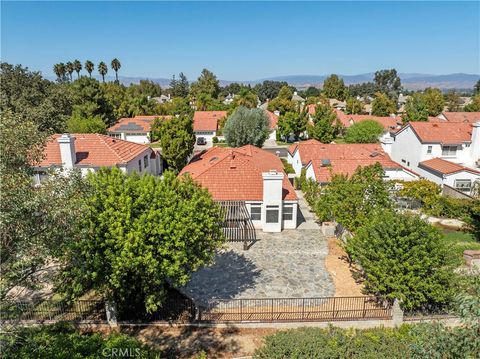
(111, 311)
(397, 313)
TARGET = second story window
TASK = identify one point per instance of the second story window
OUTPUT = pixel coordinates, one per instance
(429, 149)
(449, 151)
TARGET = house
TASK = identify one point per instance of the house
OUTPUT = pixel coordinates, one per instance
(320, 161)
(136, 129)
(273, 118)
(88, 152)
(163, 99)
(250, 175)
(229, 99)
(205, 124)
(440, 151)
(297, 98)
(470, 117)
(337, 104)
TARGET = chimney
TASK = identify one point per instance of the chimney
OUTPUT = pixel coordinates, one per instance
(272, 201)
(66, 143)
(276, 113)
(475, 141)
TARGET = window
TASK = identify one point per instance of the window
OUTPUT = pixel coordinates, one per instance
(287, 212)
(429, 149)
(145, 161)
(403, 160)
(463, 185)
(139, 165)
(449, 151)
(272, 214)
(255, 211)
(115, 135)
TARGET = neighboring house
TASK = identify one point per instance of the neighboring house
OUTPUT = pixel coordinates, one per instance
(297, 98)
(470, 117)
(136, 129)
(273, 117)
(163, 99)
(337, 104)
(437, 150)
(205, 124)
(402, 100)
(253, 176)
(229, 99)
(88, 152)
(321, 160)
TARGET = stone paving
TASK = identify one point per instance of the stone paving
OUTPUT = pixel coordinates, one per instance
(285, 265)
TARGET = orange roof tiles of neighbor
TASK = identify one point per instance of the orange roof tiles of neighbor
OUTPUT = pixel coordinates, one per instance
(387, 122)
(236, 173)
(273, 119)
(442, 132)
(311, 109)
(207, 120)
(470, 117)
(139, 123)
(445, 167)
(306, 148)
(93, 149)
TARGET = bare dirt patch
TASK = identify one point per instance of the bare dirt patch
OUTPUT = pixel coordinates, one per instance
(338, 267)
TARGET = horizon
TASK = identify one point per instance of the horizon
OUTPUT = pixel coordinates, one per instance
(164, 38)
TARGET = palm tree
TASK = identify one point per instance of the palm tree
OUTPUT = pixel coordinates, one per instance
(245, 98)
(69, 68)
(89, 66)
(115, 67)
(77, 66)
(59, 70)
(102, 69)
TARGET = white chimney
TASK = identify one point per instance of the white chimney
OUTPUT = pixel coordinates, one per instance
(276, 113)
(272, 201)
(476, 141)
(66, 143)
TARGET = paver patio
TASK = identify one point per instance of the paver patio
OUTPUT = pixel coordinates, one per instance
(289, 264)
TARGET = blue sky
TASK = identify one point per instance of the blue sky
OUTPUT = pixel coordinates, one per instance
(245, 40)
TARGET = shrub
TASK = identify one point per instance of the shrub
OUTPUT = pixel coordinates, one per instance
(247, 127)
(364, 132)
(215, 139)
(63, 341)
(287, 166)
(403, 257)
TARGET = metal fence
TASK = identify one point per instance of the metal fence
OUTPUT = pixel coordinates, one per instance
(53, 310)
(295, 309)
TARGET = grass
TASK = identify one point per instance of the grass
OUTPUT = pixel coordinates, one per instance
(461, 241)
(220, 144)
(155, 145)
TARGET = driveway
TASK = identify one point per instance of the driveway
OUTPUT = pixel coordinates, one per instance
(290, 264)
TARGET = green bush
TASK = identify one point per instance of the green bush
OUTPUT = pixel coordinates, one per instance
(63, 341)
(215, 139)
(287, 166)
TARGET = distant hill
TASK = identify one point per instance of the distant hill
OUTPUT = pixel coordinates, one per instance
(411, 81)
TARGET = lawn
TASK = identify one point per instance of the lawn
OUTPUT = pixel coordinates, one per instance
(220, 144)
(461, 241)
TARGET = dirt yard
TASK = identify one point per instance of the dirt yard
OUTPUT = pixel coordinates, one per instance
(337, 265)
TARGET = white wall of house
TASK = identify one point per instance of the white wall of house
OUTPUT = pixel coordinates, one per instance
(450, 179)
(272, 135)
(309, 173)
(141, 165)
(399, 174)
(288, 221)
(406, 149)
(296, 162)
(142, 138)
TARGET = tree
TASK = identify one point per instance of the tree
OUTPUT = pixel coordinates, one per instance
(382, 105)
(144, 88)
(367, 131)
(178, 106)
(363, 89)
(102, 70)
(246, 127)
(403, 257)
(77, 66)
(388, 83)
(69, 69)
(312, 92)
(142, 234)
(182, 88)
(474, 106)
(116, 65)
(282, 105)
(476, 88)
(86, 125)
(35, 222)
(32, 98)
(333, 87)
(453, 101)
(89, 67)
(292, 123)
(268, 90)
(434, 101)
(207, 83)
(245, 98)
(176, 139)
(285, 93)
(326, 126)
(416, 108)
(61, 72)
(354, 106)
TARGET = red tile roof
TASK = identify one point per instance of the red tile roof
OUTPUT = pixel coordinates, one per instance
(442, 132)
(207, 120)
(135, 124)
(445, 167)
(470, 117)
(273, 119)
(307, 149)
(236, 173)
(95, 150)
(388, 123)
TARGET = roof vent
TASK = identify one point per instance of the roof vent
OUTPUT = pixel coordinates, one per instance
(374, 154)
(326, 162)
(213, 159)
(232, 164)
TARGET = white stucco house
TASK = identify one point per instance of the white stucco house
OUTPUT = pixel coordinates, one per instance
(250, 175)
(321, 160)
(205, 124)
(89, 152)
(443, 152)
(136, 129)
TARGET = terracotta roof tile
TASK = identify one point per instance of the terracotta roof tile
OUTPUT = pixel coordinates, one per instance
(273, 119)
(207, 120)
(93, 149)
(388, 122)
(445, 167)
(442, 132)
(470, 117)
(236, 173)
(135, 124)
